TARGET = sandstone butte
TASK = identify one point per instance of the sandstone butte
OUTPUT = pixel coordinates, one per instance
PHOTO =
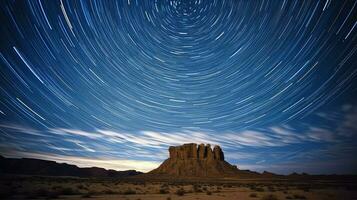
(192, 160)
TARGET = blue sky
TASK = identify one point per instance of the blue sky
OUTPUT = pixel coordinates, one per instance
(113, 84)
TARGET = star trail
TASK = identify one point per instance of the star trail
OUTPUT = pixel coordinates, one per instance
(273, 82)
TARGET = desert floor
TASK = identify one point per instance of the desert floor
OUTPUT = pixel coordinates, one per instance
(75, 188)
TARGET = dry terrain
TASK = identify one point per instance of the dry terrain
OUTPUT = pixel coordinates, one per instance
(30, 187)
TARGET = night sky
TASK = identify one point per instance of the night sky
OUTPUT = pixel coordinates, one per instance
(114, 83)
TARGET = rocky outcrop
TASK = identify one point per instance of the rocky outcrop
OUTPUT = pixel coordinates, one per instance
(192, 160)
(198, 152)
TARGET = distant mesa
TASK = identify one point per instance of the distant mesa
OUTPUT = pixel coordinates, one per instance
(192, 160)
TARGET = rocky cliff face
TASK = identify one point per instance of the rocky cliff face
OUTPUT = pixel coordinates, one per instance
(192, 160)
(198, 152)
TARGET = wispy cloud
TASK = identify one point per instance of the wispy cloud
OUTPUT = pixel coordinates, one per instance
(264, 147)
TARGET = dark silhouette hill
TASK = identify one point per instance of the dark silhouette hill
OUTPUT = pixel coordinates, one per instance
(192, 160)
(30, 166)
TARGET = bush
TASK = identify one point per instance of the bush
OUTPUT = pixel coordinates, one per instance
(43, 193)
(257, 189)
(87, 195)
(52, 195)
(304, 188)
(209, 193)
(81, 187)
(109, 191)
(253, 195)
(163, 191)
(269, 197)
(168, 198)
(271, 189)
(180, 192)
(197, 188)
(67, 191)
(298, 196)
(129, 191)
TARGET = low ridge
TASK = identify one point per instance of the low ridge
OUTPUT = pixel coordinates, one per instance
(31, 166)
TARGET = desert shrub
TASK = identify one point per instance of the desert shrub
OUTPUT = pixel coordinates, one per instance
(129, 191)
(168, 198)
(271, 189)
(298, 196)
(109, 191)
(163, 191)
(253, 195)
(204, 188)
(67, 191)
(52, 195)
(257, 189)
(289, 197)
(304, 188)
(81, 187)
(269, 197)
(180, 192)
(43, 193)
(87, 195)
(209, 193)
(196, 188)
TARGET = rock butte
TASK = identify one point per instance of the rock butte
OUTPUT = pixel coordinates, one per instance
(192, 160)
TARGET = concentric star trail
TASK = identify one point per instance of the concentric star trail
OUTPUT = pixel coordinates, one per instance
(224, 71)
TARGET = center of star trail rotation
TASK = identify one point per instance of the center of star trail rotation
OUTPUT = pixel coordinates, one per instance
(91, 78)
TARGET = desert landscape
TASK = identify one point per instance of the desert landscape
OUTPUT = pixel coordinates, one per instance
(191, 172)
(178, 99)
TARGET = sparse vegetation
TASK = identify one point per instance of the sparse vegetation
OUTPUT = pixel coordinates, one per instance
(180, 192)
(298, 196)
(87, 195)
(253, 195)
(51, 188)
(67, 191)
(196, 188)
(271, 189)
(129, 192)
(257, 189)
(269, 197)
(163, 191)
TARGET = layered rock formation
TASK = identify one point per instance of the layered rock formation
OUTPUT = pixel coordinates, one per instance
(192, 160)
(194, 151)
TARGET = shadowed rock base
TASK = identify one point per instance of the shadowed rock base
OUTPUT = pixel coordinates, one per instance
(192, 160)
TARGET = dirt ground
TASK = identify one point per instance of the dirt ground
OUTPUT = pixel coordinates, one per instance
(74, 188)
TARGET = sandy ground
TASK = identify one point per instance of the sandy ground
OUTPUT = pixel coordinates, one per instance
(241, 195)
(68, 188)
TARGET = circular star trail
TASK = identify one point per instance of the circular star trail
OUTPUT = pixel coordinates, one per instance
(215, 65)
